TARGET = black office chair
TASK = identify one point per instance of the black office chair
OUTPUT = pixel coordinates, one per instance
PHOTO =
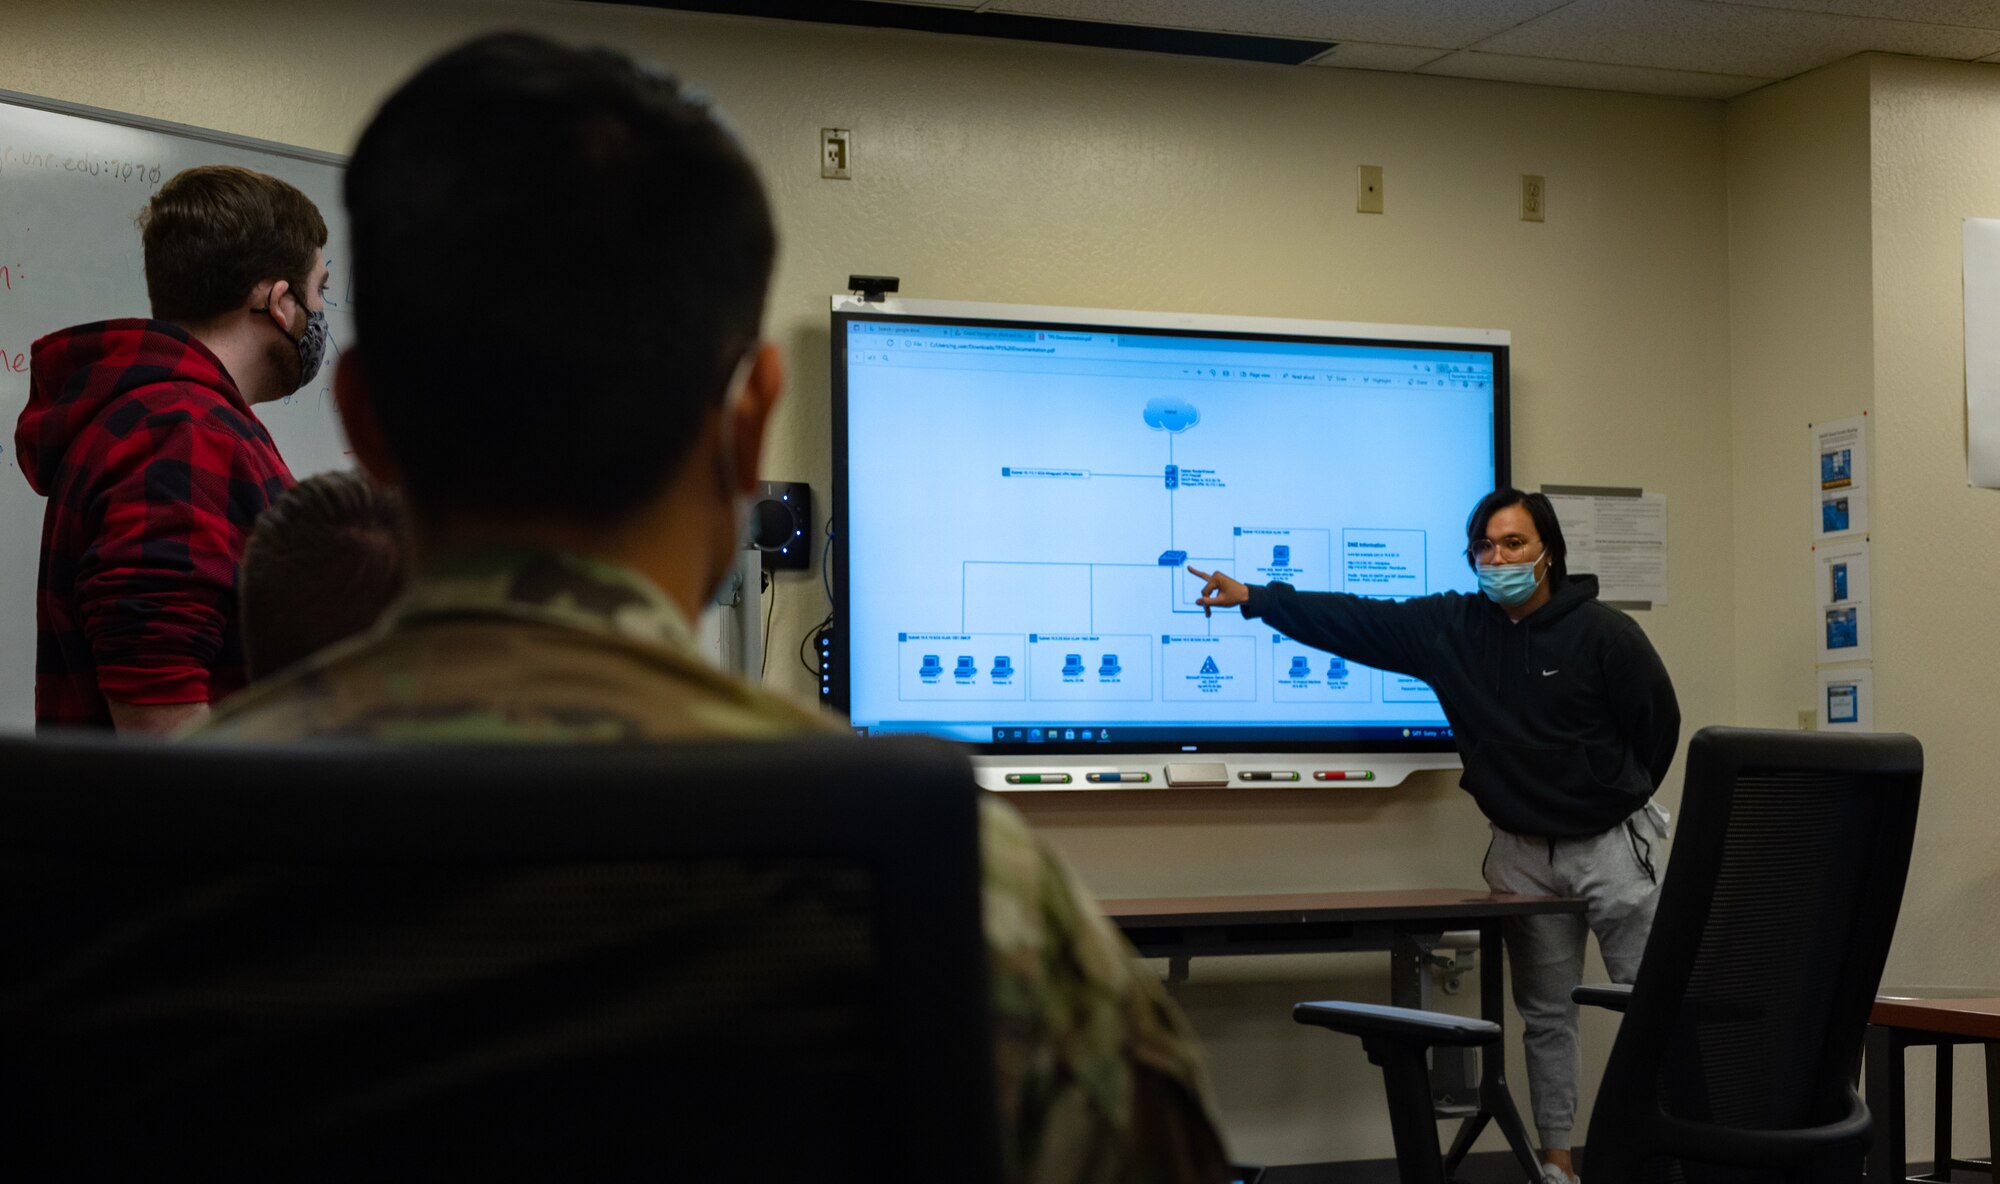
(1736, 1058)
(702, 962)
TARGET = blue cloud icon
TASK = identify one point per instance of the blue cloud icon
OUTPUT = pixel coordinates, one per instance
(1171, 415)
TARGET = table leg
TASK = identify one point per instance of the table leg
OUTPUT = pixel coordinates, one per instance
(1941, 1115)
(1884, 1058)
(1496, 1101)
(1406, 970)
(1468, 1133)
(1993, 1105)
(1501, 1104)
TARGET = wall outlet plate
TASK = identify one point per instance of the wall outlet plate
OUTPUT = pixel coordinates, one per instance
(1368, 195)
(1534, 198)
(784, 502)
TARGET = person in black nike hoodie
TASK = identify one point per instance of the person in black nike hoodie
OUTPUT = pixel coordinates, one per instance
(1566, 721)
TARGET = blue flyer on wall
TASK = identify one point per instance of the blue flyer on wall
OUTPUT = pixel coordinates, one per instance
(1840, 574)
(1840, 476)
(1847, 698)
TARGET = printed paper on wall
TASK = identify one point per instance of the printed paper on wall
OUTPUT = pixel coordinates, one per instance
(1840, 477)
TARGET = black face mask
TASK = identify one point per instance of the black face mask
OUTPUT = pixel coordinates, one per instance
(312, 346)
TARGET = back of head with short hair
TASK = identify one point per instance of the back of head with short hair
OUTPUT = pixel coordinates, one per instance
(559, 260)
(320, 566)
(213, 233)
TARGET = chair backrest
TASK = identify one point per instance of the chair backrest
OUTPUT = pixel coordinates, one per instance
(696, 962)
(1773, 923)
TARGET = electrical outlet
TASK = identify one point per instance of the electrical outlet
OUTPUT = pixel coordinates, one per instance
(1534, 198)
(1368, 199)
(836, 153)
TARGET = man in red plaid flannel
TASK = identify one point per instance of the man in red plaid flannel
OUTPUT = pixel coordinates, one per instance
(141, 435)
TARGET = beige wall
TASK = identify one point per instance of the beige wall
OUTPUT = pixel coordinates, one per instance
(998, 171)
(1846, 191)
(1935, 136)
(1801, 348)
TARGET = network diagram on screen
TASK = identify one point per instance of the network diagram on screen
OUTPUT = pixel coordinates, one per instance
(1023, 502)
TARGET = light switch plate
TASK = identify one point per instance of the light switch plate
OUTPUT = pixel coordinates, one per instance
(836, 153)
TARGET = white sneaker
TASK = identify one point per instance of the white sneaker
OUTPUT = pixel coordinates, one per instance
(1552, 1174)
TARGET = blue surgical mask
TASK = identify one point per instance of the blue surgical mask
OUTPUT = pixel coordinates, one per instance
(1509, 584)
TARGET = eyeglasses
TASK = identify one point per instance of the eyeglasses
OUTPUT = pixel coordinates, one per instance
(1511, 547)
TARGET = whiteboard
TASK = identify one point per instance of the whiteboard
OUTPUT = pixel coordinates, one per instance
(72, 181)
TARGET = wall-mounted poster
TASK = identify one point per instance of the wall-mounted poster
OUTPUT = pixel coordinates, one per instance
(1840, 612)
(1840, 476)
(1847, 698)
(1619, 536)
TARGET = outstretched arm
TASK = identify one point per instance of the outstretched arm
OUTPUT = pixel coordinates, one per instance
(1385, 634)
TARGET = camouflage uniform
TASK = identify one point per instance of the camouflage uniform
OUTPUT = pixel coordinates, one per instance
(1099, 1078)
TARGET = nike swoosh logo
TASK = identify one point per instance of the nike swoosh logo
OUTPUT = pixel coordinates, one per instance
(1546, 673)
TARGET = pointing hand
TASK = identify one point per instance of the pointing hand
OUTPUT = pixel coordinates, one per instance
(1219, 592)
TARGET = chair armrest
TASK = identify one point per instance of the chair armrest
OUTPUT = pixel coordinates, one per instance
(1402, 1023)
(1763, 1149)
(1611, 996)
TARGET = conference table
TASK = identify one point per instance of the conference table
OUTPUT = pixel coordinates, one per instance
(1408, 923)
(1942, 1017)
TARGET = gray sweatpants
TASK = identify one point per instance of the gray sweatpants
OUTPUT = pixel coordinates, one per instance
(1610, 872)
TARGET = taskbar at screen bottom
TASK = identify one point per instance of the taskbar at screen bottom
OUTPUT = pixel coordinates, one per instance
(1030, 737)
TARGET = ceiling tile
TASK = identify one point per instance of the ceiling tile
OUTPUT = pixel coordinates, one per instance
(1500, 67)
(1448, 23)
(1368, 55)
(1970, 14)
(1725, 38)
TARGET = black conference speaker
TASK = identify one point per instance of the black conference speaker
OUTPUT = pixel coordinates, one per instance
(781, 525)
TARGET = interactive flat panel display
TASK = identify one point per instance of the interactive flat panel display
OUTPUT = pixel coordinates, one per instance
(1019, 494)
